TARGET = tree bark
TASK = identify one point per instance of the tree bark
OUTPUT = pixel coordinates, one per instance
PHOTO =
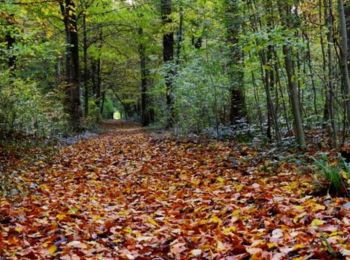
(72, 101)
(331, 126)
(168, 57)
(287, 21)
(233, 27)
(86, 87)
(344, 58)
(145, 118)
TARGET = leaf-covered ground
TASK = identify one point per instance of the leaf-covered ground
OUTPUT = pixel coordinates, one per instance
(134, 195)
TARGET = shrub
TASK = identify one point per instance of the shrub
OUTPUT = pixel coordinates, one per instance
(94, 117)
(25, 109)
(333, 175)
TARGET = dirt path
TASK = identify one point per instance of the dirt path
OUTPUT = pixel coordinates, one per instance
(128, 195)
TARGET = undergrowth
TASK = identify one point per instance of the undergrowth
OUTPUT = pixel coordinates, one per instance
(332, 175)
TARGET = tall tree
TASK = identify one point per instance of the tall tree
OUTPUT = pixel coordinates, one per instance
(72, 102)
(329, 104)
(344, 57)
(145, 118)
(85, 57)
(233, 21)
(288, 20)
(168, 56)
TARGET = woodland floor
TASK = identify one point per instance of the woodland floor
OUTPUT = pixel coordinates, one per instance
(130, 194)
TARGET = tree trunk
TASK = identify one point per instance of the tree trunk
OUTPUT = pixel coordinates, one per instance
(168, 57)
(344, 58)
(330, 93)
(86, 87)
(233, 27)
(145, 119)
(347, 19)
(72, 102)
(179, 34)
(269, 80)
(96, 74)
(287, 20)
(10, 42)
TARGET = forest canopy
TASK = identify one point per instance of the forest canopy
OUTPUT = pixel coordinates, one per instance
(273, 69)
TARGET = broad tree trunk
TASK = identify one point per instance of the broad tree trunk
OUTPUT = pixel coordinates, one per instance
(233, 27)
(168, 57)
(72, 102)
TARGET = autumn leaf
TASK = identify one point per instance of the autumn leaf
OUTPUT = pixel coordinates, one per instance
(52, 249)
(168, 200)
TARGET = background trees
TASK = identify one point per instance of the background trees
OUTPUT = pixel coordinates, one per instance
(197, 66)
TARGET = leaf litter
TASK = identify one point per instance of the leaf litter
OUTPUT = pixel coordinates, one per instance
(128, 194)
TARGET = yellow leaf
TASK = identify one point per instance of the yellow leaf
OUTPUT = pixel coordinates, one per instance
(52, 249)
(123, 213)
(345, 175)
(257, 243)
(127, 230)
(195, 182)
(336, 233)
(229, 230)
(220, 180)
(299, 208)
(317, 222)
(117, 241)
(220, 246)
(60, 216)
(216, 220)
(19, 229)
(272, 245)
(239, 187)
(73, 211)
(300, 216)
(96, 217)
(44, 187)
(318, 207)
(236, 213)
(152, 221)
(298, 246)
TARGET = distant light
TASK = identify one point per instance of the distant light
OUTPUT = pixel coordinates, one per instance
(117, 115)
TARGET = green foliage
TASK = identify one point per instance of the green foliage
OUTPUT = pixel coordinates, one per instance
(201, 93)
(108, 108)
(335, 175)
(94, 116)
(25, 109)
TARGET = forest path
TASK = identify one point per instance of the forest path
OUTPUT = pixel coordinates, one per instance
(129, 194)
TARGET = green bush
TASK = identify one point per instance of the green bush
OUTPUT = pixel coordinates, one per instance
(23, 108)
(94, 117)
(335, 176)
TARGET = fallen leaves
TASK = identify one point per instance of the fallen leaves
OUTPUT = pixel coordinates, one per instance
(128, 195)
